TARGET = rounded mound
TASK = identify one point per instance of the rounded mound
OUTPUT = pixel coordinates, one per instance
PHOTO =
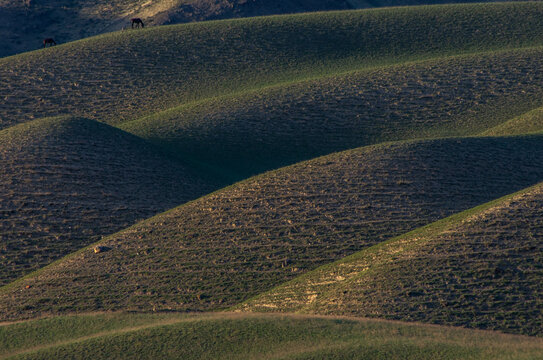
(245, 239)
(480, 269)
(136, 73)
(68, 181)
(247, 134)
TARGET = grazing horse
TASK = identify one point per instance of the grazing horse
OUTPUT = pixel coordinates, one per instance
(49, 41)
(137, 22)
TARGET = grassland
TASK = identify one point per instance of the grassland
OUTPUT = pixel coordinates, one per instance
(160, 116)
(126, 75)
(66, 182)
(247, 134)
(231, 336)
(233, 244)
(527, 123)
(480, 268)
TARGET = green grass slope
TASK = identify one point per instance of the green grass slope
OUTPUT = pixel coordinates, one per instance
(230, 336)
(233, 244)
(23, 24)
(126, 75)
(529, 122)
(480, 268)
(261, 130)
(68, 181)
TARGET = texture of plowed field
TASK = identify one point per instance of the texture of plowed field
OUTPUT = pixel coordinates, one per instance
(247, 238)
(65, 182)
(248, 134)
(247, 336)
(480, 269)
(126, 75)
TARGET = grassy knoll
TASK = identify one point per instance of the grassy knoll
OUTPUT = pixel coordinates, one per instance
(480, 268)
(66, 181)
(233, 244)
(249, 133)
(126, 75)
(221, 336)
(529, 122)
(23, 24)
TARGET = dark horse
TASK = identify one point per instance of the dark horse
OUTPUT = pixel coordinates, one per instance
(49, 41)
(137, 22)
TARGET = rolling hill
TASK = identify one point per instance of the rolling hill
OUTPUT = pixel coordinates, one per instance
(261, 130)
(127, 75)
(66, 182)
(529, 122)
(71, 20)
(220, 336)
(245, 239)
(424, 205)
(480, 269)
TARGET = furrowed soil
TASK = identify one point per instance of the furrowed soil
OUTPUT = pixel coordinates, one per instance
(66, 182)
(126, 75)
(233, 244)
(479, 269)
(262, 130)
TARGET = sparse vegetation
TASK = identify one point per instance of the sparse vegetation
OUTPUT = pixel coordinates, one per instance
(233, 244)
(128, 75)
(67, 182)
(262, 130)
(399, 218)
(480, 269)
(232, 336)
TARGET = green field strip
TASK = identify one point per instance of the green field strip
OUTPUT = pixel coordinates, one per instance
(236, 336)
(530, 122)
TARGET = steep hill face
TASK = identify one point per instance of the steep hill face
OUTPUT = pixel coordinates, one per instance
(67, 181)
(126, 75)
(252, 236)
(481, 269)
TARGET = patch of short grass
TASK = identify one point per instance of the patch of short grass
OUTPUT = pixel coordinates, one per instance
(66, 182)
(271, 337)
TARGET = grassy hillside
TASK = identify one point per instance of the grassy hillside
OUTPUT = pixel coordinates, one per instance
(68, 181)
(261, 130)
(231, 336)
(25, 23)
(131, 74)
(529, 122)
(233, 244)
(480, 268)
